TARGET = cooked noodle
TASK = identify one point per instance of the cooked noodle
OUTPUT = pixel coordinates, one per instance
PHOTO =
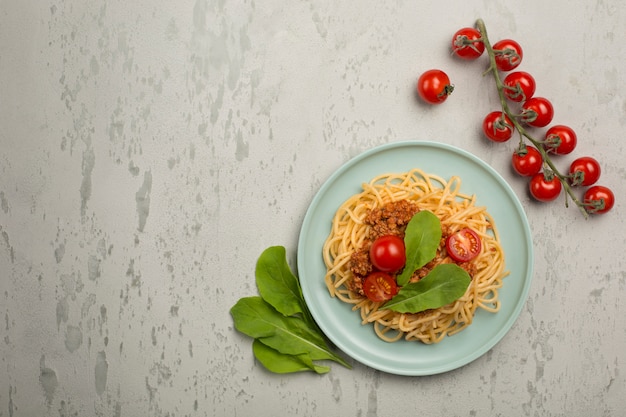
(456, 211)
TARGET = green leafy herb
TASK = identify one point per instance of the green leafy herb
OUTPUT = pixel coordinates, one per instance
(287, 339)
(277, 284)
(443, 285)
(421, 239)
(289, 335)
(281, 363)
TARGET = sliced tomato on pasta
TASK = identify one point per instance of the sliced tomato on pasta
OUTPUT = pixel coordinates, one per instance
(464, 245)
(380, 286)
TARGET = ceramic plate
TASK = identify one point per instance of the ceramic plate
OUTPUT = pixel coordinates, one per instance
(343, 326)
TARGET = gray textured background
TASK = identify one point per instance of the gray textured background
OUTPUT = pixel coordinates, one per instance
(150, 150)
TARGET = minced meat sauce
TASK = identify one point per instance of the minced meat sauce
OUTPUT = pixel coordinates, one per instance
(392, 219)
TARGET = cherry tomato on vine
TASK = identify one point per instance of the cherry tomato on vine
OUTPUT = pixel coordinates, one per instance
(434, 87)
(380, 286)
(519, 86)
(537, 112)
(584, 171)
(464, 43)
(497, 126)
(508, 54)
(560, 140)
(464, 245)
(598, 199)
(388, 254)
(527, 161)
(544, 187)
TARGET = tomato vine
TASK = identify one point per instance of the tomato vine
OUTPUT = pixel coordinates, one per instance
(519, 121)
(532, 112)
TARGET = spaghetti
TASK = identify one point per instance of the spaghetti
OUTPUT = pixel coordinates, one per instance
(350, 233)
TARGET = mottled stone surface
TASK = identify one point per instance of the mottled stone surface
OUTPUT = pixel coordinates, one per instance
(150, 150)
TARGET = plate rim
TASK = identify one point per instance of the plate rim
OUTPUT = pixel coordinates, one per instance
(523, 295)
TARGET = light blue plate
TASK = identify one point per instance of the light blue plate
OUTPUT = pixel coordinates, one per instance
(343, 326)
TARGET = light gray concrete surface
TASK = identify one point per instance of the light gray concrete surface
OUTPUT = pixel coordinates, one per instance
(150, 150)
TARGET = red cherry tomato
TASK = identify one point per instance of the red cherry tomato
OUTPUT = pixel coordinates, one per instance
(380, 286)
(584, 171)
(465, 44)
(527, 162)
(508, 54)
(388, 254)
(560, 140)
(464, 245)
(537, 112)
(519, 86)
(598, 199)
(434, 86)
(544, 187)
(497, 126)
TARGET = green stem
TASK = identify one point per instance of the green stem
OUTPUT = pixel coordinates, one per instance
(480, 25)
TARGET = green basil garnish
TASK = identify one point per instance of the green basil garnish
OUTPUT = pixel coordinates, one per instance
(421, 240)
(443, 285)
(286, 338)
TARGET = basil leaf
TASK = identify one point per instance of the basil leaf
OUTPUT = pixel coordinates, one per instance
(421, 240)
(280, 363)
(286, 338)
(288, 335)
(443, 285)
(276, 283)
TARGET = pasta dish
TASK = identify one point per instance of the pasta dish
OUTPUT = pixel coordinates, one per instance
(383, 208)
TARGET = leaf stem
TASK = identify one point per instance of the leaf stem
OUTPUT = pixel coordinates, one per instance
(480, 25)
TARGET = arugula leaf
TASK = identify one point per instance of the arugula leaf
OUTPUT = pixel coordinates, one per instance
(443, 285)
(281, 363)
(256, 318)
(286, 337)
(277, 284)
(421, 240)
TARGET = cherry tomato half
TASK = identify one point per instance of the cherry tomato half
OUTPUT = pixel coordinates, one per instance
(434, 86)
(464, 245)
(584, 171)
(387, 253)
(598, 199)
(508, 54)
(527, 162)
(497, 126)
(380, 286)
(465, 44)
(537, 112)
(544, 187)
(560, 140)
(519, 86)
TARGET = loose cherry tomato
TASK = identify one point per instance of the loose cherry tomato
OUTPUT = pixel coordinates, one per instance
(544, 187)
(508, 54)
(434, 86)
(380, 286)
(560, 140)
(519, 86)
(465, 44)
(537, 112)
(464, 245)
(598, 199)
(527, 161)
(584, 171)
(497, 126)
(388, 254)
